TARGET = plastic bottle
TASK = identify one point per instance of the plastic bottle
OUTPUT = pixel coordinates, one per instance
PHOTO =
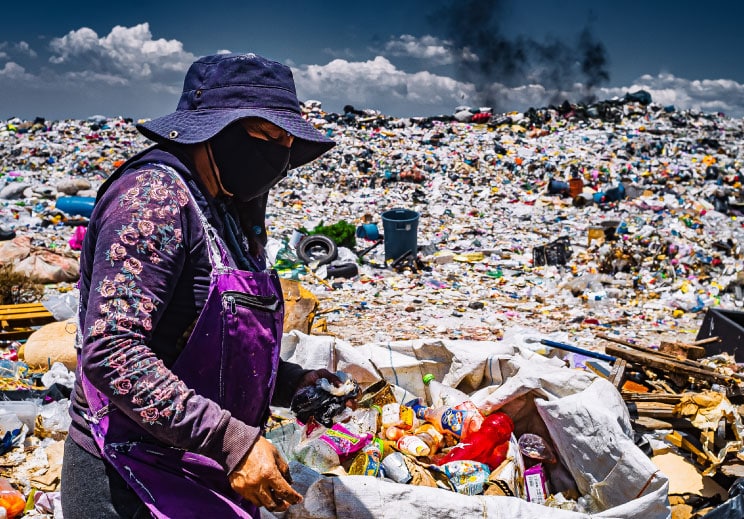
(11, 499)
(367, 462)
(459, 421)
(397, 415)
(430, 436)
(489, 444)
(440, 395)
(317, 455)
(394, 433)
(535, 449)
(413, 445)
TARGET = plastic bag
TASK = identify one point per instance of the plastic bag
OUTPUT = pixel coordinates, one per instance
(317, 402)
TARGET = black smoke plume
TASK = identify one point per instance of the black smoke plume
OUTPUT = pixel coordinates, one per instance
(475, 27)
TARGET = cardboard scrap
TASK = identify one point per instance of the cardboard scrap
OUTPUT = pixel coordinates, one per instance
(684, 477)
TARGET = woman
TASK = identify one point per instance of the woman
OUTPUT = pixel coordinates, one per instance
(180, 322)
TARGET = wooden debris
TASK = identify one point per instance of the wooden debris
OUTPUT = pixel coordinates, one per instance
(682, 350)
(16, 321)
(664, 364)
(617, 375)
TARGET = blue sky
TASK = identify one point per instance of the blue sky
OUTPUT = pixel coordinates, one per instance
(422, 57)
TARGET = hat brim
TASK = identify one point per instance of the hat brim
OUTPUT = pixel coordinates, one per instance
(194, 126)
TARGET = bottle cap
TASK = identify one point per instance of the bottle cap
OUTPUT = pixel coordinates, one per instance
(428, 378)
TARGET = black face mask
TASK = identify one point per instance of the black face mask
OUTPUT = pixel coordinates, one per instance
(249, 167)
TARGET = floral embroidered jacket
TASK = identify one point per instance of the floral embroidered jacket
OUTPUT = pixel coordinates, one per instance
(144, 277)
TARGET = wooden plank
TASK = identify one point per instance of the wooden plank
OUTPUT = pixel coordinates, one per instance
(709, 340)
(655, 423)
(690, 444)
(17, 319)
(655, 410)
(617, 374)
(682, 350)
(14, 307)
(653, 353)
(664, 398)
(35, 314)
(20, 305)
(665, 365)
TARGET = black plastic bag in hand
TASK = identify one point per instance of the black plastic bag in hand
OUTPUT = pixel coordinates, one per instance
(315, 402)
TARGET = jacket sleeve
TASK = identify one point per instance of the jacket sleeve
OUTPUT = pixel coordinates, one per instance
(138, 256)
(287, 378)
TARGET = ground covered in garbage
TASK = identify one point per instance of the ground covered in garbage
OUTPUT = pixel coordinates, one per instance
(651, 240)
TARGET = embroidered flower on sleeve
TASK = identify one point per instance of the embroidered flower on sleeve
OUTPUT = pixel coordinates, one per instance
(159, 192)
(182, 197)
(117, 360)
(146, 227)
(133, 265)
(117, 252)
(124, 324)
(132, 194)
(107, 288)
(122, 386)
(99, 327)
(146, 305)
(128, 235)
(150, 415)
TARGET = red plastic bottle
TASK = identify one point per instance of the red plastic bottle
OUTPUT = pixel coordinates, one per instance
(488, 445)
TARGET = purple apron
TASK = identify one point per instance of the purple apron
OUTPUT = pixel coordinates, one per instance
(231, 357)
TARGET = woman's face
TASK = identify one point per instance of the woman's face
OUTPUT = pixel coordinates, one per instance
(250, 157)
(264, 130)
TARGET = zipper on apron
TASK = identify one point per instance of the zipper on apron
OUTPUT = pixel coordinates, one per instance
(265, 303)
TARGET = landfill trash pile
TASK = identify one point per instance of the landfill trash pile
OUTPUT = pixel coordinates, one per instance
(612, 232)
(524, 436)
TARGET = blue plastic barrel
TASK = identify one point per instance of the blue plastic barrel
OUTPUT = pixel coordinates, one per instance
(76, 205)
(401, 232)
(557, 187)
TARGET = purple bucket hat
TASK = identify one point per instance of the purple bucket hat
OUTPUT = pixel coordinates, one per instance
(224, 88)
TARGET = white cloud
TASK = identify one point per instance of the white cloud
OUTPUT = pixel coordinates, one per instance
(127, 71)
(128, 52)
(89, 76)
(377, 83)
(24, 48)
(707, 95)
(427, 47)
(380, 85)
(15, 72)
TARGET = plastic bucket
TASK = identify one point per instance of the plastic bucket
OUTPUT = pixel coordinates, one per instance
(400, 227)
(575, 187)
(368, 231)
(76, 205)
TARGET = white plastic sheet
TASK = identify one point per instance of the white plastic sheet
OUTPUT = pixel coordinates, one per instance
(582, 413)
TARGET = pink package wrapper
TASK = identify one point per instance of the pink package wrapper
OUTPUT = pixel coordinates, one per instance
(344, 442)
(536, 484)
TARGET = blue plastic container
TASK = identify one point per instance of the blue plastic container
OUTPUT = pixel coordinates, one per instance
(401, 232)
(76, 205)
(368, 231)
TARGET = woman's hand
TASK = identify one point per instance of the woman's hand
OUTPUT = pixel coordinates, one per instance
(262, 477)
(311, 377)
